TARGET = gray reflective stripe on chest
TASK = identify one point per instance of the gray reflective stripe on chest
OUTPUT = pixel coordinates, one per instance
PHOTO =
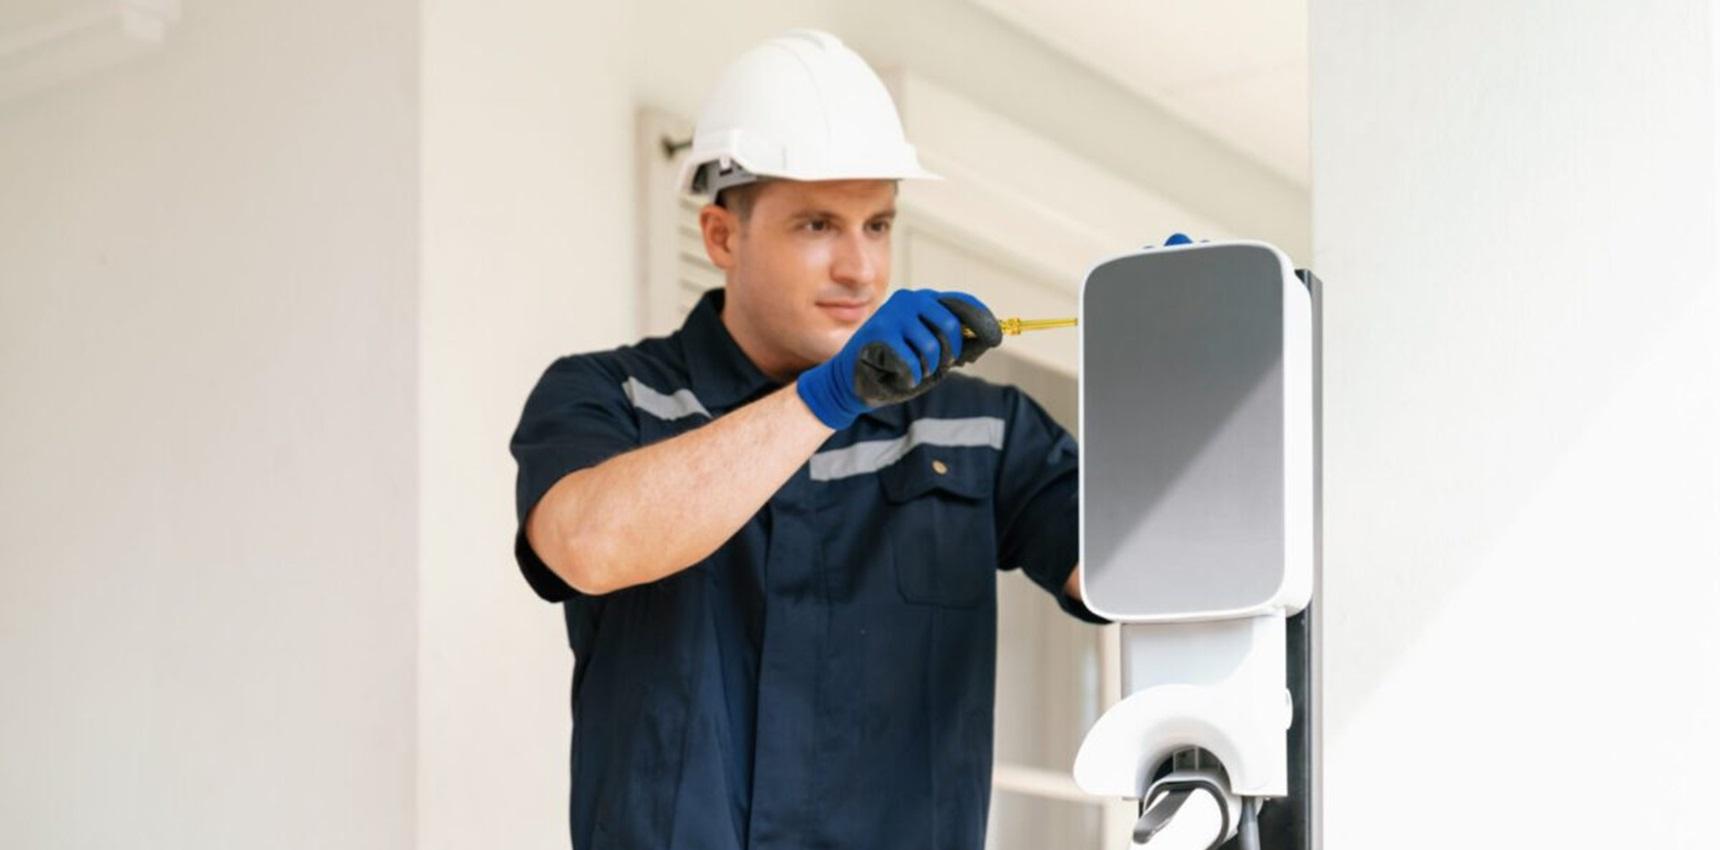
(873, 455)
(675, 405)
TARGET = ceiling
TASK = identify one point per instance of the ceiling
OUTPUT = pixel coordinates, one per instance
(1237, 69)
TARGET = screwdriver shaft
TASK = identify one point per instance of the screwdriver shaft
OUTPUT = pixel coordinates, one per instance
(1015, 327)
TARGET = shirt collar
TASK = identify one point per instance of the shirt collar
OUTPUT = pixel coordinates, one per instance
(721, 373)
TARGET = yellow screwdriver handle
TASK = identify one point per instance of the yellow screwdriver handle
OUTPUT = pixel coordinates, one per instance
(1014, 327)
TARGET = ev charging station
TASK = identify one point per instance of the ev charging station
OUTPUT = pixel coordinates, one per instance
(1200, 517)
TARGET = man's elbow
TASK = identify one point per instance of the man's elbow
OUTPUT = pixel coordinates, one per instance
(583, 559)
(590, 576)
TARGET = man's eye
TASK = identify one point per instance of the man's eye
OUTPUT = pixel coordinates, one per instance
(880, 226)
(817, 225)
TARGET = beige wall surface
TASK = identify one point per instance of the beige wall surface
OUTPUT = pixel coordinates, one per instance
(208, 333)
(528, 254)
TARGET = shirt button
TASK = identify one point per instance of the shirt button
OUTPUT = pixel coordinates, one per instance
(939, 467)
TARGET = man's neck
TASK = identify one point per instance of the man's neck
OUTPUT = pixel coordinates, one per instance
(779, 369)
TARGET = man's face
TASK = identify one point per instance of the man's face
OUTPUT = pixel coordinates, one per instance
(808, 265)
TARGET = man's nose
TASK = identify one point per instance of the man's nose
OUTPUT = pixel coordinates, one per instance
(853, 263)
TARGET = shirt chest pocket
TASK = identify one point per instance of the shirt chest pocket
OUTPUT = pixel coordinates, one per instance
(942, 535)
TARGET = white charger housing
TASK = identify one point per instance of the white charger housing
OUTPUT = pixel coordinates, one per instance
(1197, 506)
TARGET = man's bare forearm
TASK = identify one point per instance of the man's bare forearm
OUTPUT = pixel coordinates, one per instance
(659, 509)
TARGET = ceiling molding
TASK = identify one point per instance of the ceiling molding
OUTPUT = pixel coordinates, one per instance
(79, 38)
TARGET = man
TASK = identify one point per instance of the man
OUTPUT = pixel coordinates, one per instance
(776, 532)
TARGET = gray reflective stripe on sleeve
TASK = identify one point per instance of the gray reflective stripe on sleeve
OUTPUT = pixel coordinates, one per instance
(873, 455)
(675, 405)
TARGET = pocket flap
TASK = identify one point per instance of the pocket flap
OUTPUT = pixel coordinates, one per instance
(927, 469)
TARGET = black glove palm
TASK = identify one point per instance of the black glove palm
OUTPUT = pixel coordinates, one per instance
(882, 377)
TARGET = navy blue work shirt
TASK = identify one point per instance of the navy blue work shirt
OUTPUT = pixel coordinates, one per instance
(825, 679)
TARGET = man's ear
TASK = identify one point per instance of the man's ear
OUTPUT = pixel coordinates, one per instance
(721, 229)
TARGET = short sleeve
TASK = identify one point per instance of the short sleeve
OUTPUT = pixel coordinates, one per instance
(1037, 500)
(576, 417)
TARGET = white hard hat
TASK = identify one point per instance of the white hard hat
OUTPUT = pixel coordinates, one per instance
(801, 106)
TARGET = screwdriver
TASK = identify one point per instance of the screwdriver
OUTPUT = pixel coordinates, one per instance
(1014, 327)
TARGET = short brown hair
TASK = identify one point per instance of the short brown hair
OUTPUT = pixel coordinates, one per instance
(740, 199)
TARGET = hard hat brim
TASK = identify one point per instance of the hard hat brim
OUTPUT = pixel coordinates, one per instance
(913, 172)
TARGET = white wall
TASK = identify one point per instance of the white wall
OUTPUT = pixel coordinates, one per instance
(1515, 216)
(209, 439)
(528, 254)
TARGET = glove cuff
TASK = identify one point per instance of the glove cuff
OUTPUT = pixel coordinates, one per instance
(823, 395)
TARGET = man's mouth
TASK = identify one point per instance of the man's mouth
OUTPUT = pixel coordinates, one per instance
(847, 312)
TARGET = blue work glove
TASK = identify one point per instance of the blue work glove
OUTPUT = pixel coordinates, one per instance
(903, 350)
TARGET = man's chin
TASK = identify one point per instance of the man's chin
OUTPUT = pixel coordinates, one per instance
(825, 346)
